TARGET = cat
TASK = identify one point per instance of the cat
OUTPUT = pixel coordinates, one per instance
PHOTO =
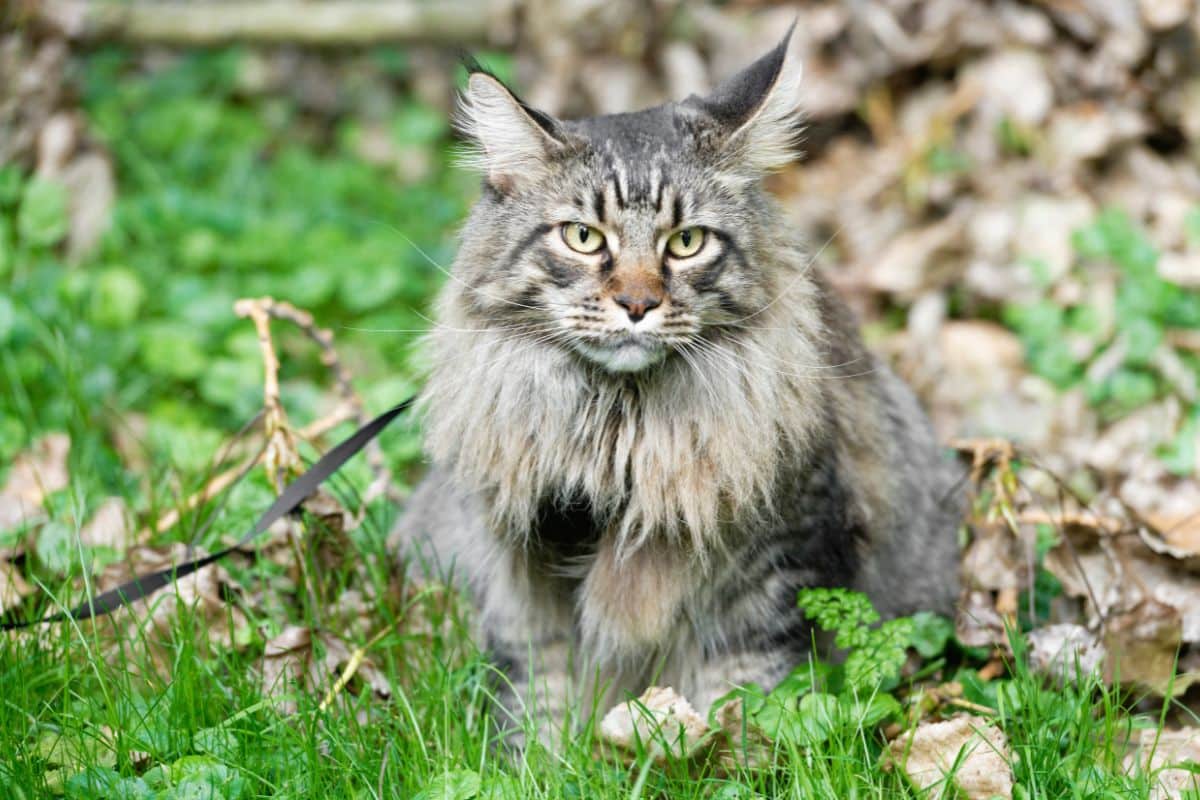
(649, 421)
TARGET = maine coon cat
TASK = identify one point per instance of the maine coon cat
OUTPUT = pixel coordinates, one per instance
(650, 422)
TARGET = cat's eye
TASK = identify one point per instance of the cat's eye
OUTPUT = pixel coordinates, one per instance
(582, 238)
(686, 243)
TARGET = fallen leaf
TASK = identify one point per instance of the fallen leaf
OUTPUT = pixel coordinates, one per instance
(295, 660)
(660, 720)
(1065, 651)
(153, 619)
(13, 587)
(1164, 14)
(977, 623)
(39, 471)
(906, 264)
(92, 193)
(285, 664)
(993, 560)
(1143, 645)
(745, 745)
(1170, 757)
(962, 754)
(109, 527)
(1179, 533)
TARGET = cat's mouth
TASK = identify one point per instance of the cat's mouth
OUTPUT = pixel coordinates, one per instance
(623, 352)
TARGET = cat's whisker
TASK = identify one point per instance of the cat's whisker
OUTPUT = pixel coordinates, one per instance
(768, 354)
(801, 275)
(449, 274)
(465, 377)
(814, 372)
(732, 358)
(437, 326)
(687, 354)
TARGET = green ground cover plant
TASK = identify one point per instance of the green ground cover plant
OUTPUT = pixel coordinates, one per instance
(1118, 352)
(226, 195)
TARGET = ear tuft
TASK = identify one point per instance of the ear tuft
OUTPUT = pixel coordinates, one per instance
(514, 142)
(759, 108)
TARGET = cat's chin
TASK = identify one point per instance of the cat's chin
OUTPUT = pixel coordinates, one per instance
(629, 355)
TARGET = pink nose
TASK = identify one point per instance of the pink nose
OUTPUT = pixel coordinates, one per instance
(637, 307)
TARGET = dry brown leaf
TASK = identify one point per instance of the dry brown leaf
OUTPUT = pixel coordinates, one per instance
(977, 623)
(91, 187)
(285, 664)
(290, 662)
(745, 743)
(1044, 227)
(1145, 603)
(1014, 85)
(1086, 131)
(660, 720)
(929, 754)
(1065, 651)
(1122, 573)
(905, 265)
(1163, 14)
(1142, 646)
(993, 561)
(109, 527)
(1171, 758)
(152, 619)
(56, 144)
(978, 348)
(13, 587)
(1181, 533)
(37, 472)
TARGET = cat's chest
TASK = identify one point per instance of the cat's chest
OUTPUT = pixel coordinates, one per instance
(564, 534)
(624, 604)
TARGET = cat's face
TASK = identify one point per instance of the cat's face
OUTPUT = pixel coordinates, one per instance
(625, 238)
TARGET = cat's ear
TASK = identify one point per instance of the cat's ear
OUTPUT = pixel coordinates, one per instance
(758, 109)
(513, 142)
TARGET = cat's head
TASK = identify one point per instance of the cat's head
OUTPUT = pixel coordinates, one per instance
(626, 237)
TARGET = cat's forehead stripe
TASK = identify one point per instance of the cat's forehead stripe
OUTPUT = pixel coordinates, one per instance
(656, 188)
(617, 183)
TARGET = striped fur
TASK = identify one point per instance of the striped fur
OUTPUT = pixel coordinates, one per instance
(640, 499)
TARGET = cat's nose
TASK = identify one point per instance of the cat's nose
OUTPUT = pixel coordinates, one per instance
(637, 306)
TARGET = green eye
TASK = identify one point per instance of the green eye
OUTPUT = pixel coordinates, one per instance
(582, 238)
(686, 243)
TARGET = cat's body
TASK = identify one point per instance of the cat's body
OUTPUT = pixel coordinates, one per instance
(642, 451)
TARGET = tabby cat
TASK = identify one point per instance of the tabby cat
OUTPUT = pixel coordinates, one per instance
(650, 422)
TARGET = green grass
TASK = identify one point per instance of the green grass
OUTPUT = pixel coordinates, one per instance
(224, 195)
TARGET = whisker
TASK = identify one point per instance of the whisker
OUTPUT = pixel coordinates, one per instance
(717, 349)
(433, 262)
(803, 273)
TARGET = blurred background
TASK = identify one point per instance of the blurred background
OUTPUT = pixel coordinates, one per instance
(1007, 191)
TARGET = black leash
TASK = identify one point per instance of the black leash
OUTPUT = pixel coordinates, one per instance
(293, 495)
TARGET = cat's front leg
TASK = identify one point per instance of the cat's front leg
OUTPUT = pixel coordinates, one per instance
(527, 632)
(750, 630)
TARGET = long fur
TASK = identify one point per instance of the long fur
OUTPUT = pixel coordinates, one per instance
(630, 495)
(680, 453)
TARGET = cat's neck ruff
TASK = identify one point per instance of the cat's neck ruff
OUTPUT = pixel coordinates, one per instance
(677, 451)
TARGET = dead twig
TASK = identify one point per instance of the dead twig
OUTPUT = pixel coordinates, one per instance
(281, 457)
(230, 476)
(323, 338)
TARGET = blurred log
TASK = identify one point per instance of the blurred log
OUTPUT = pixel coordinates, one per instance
(337, 22)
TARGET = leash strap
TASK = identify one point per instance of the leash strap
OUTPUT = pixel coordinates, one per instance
(293, 495)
